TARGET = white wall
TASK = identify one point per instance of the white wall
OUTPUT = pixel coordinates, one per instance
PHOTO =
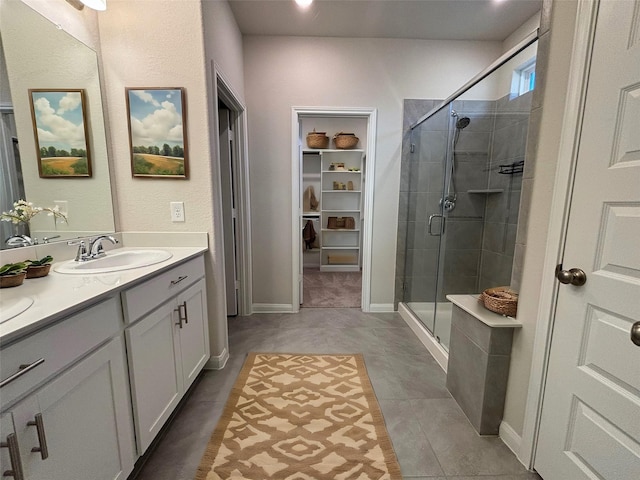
(281, 72)
(539, 176)
(160, 44)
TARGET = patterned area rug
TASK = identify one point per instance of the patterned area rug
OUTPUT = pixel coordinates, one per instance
(301, 417)
(331, 289)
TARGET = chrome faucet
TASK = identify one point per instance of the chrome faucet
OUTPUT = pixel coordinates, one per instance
(94, 250)
(95, 246)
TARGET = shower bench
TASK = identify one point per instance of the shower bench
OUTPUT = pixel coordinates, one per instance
(479, 357)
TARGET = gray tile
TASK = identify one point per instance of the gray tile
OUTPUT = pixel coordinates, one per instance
(414, 453)
(459, 449)
(254, 340)
(383, 378)
(420, 376)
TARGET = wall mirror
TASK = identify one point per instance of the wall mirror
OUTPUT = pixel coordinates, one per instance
(37, 54)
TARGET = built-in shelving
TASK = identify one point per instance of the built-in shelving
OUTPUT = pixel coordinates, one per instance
(486, 191)
(337, 177)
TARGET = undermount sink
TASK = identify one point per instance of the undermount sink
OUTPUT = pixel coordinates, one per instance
(12, 307)
(114, 261)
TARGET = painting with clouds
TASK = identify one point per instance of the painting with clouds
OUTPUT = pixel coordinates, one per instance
(157, 132)
(60, 132)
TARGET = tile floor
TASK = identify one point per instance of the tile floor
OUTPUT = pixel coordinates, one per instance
(431, 436)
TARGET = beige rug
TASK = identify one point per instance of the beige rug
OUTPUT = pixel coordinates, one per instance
(301, 417)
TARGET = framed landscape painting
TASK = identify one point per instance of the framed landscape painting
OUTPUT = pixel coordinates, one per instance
(60, 129)
(158, 132)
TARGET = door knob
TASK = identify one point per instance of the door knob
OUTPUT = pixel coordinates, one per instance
(635, 333)
(575, 276)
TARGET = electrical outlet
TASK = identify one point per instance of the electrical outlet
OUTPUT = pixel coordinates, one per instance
(177, 211)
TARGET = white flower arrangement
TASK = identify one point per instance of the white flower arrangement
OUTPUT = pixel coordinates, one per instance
(24, 211)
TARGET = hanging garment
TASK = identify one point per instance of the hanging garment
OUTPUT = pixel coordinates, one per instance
(310, 202)
(309, 235)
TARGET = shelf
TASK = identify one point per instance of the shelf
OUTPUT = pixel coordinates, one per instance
(311, 214)
(332, 150)
(340, 230)
(340, 211)
(486, 191)
(341, 191)
(341, 248)
(340, 171)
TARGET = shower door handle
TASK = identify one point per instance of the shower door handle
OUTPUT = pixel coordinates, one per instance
(430, 231)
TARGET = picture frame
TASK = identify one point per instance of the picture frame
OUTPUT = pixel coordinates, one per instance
(157, 123)
(61, 133)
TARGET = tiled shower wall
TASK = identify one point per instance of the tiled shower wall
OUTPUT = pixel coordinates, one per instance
(501, 214)
(480, 231)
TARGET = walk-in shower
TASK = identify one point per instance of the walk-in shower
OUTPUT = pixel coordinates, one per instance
(461, 181)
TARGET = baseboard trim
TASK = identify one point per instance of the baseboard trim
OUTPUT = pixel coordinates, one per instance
(435, 349)
(273, 308)
(217, 362)
(510, 438)
(381, 307)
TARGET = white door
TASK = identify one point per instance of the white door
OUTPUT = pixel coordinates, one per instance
(155, 371)
(227, 185)
(590, 425)
(194, 332)
(86, 422)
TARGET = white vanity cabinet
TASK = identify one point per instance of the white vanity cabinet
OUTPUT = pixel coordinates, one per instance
(77, 423)
(167, 343)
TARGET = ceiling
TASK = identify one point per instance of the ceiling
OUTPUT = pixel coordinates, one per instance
(418, 19)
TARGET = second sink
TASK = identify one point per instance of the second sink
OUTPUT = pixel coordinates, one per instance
(114, 261)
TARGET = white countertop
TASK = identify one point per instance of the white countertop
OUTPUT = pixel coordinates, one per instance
(473, 306)
(58, 295)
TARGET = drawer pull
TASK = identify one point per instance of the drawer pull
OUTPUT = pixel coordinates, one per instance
(14, 457)
(22, 370)
(180, 278)
(42, 437)
(186, 316)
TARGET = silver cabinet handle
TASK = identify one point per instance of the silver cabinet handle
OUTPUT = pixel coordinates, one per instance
(186, 315)
(42, 438)
(14, 457)
(22, 369)
(431, 217)
(180, 317)
(180, 278)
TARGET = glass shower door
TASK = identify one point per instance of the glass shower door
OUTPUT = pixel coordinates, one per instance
(425, 216)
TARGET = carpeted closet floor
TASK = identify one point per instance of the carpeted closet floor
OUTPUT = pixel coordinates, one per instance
(331, 289)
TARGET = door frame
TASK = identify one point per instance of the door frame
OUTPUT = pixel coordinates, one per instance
(567, 158)
(240, 161)
(297, 113)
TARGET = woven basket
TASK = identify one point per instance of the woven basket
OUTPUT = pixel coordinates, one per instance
(345, 141)
(500, 300)
(37, 271)
(317, 139)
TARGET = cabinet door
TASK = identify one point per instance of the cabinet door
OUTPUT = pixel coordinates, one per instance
(10, 454)
(155, 371)
(86, 417)
(194, 334)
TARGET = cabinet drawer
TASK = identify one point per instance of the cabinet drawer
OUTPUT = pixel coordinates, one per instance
(154, 292)
(59, 345)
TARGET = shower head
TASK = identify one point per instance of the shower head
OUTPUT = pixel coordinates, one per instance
(462, 122)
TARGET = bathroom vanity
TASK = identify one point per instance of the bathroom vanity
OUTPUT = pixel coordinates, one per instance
(94, 368)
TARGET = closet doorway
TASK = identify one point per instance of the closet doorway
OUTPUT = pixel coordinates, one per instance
(332, 216)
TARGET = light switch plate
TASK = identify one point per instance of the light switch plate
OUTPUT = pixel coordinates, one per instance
(63, 207)
(177, 211)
